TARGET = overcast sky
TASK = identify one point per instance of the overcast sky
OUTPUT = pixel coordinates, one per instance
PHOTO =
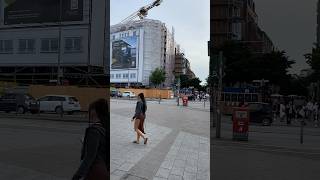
(190, 19)
(291, 24)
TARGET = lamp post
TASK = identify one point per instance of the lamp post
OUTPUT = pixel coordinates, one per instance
(59, 71)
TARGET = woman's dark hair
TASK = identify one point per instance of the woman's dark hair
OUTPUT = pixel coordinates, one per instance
(102, 110)
(141, 95)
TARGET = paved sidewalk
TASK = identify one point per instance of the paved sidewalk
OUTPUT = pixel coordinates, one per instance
(125, 154)
(178, 147)
(187, 159)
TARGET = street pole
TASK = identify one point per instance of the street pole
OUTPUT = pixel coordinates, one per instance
(178, 92)
(301, 131)
(59, 71)
(218, 128)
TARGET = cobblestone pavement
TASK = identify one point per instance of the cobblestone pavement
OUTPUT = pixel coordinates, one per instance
(171, 153)
(124, 153)
(187, 159)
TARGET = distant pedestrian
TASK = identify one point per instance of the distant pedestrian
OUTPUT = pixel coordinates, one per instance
(289, 112)
(282, 112)
(94, 150)
(139, 117)
(309, 109)
(315, 112)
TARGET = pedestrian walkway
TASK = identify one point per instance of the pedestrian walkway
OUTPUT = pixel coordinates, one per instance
(125, 154)
(170, 154)
(188, 159)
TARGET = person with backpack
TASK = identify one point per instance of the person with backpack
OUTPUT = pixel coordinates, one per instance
(138, 119)
(94, 150)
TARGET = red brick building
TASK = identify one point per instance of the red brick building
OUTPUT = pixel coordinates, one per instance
(237, 20)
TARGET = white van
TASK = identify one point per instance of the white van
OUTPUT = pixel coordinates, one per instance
(59, 104)
(128, 94)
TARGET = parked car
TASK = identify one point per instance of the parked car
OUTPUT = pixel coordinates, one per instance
(115, 93)
(128, 94)
(18, 102)
(261, 113)
(59, 104)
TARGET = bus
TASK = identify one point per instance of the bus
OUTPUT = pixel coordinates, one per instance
(229, 100)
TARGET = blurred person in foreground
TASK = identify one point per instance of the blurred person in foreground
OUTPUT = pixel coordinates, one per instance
(94, 150)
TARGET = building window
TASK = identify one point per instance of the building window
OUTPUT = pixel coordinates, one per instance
(27, 46)
(134, 33)
(6, 46)
(112, 76)
(236, 12)
(74, 4)
(73, 44)
(125, 76)
(113, 37)
(236, 30)
(133, 75)
(118, 76)
(49, 45)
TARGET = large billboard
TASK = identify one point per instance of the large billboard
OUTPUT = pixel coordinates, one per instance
(124, 53)
(42, 11)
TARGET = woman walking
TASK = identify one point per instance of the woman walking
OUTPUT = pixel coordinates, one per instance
(139, 117)
(94, 150)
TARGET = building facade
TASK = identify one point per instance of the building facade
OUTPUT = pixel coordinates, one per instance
(138, 48)
(237, 20)
(47, 41)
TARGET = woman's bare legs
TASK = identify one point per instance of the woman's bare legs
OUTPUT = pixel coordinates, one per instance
(139, 133)
(138, 137)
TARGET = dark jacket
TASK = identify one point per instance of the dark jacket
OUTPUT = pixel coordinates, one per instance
(94, 150)
(140, 109)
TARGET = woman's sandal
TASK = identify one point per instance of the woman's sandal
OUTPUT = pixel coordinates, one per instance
(135, 142)
(145, 141)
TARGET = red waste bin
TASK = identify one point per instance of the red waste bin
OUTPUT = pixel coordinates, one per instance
(185, 100)
(240, 119)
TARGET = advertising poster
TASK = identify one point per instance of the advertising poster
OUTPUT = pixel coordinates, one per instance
(124, 53)
(41, 11)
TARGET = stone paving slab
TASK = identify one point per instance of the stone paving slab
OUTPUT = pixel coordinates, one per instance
(125, 154)
(188, 158)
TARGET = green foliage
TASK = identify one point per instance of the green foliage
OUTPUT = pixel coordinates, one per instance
(244, 66)
(313, 59)
(195, 82)
(158, 76)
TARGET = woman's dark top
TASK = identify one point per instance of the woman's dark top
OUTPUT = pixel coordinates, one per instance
(94, 149)
(140, 114)
(140, 109)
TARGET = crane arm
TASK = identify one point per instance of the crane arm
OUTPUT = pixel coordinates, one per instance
(142, 12)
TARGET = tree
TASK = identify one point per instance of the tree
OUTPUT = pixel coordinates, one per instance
(184, 81)
(242, 65)
(313, 59)
(157, 77)
(195, 82)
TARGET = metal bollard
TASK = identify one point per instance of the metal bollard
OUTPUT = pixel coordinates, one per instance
(61, 113)
(301, 131)
(39, 108)
(16, 108)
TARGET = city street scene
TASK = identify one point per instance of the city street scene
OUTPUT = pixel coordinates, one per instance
(160, 108)
(264, 79)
